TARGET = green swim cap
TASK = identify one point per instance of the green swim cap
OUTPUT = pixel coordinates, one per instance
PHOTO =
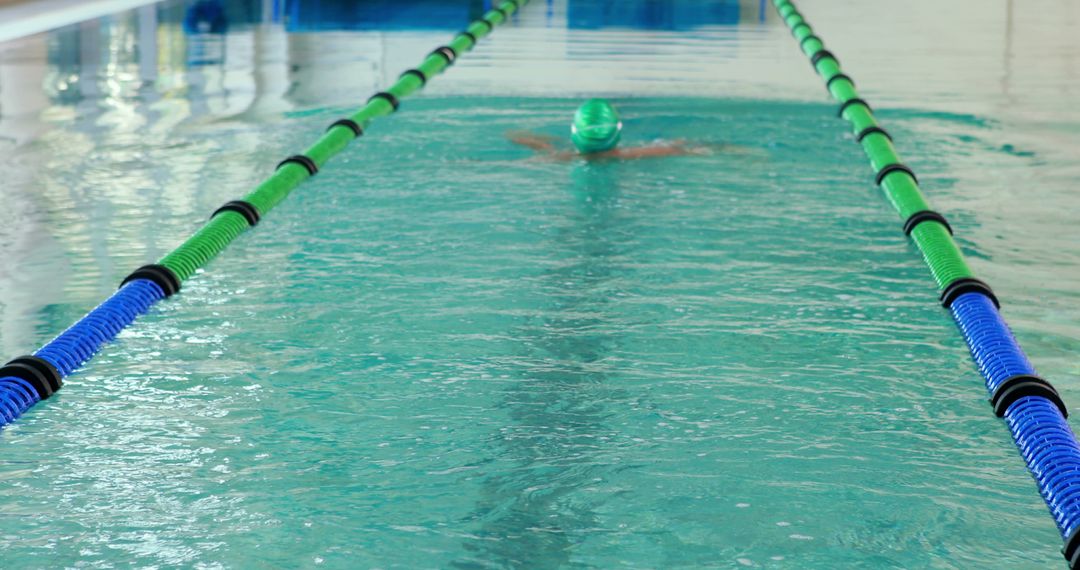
(596, 127)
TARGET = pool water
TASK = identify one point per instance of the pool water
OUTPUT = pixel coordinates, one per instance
(442, 352)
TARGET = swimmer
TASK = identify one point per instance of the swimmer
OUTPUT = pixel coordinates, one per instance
(595, 133)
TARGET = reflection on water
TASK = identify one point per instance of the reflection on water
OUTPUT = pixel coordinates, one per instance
(314, 15)
(322, 15)
(651, 15)
(161, 47)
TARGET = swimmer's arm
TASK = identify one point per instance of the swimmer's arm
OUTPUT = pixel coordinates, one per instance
(652, 152)
(539, 143)
(677, 148)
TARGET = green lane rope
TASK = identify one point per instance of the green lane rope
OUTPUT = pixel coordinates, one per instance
(224, 227)
(934, 241)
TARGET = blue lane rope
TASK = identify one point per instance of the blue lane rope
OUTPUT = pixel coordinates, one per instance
(16, 396)
(1050, 450)
(1041, 432)
(73, 347)
(992, 344)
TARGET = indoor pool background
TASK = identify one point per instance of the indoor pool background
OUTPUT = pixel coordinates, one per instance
(439, 353)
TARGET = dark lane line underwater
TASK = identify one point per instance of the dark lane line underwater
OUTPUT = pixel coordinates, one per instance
(559, 442)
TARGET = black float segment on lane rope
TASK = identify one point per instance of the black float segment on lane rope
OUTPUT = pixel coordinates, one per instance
(871, 130)
(386, 96)
(850, 102)
(925, 216)
(890, 168)
(838, 76)
(447, 52)
(38, 372)
(246, 209)
(302, 160)
(417, 74)
(1023, 385)
(349, 124)
(820, 55)
(967, 285)
(160, 275)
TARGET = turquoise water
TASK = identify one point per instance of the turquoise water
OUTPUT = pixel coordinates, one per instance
(443, 353)
(486, 361)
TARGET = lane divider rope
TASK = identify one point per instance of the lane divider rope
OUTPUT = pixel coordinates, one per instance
(29, 379)
(1032, 409)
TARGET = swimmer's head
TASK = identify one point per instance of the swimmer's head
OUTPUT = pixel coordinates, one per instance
(596, 127)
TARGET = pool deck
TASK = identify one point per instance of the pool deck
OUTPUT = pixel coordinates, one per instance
(20, 18)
